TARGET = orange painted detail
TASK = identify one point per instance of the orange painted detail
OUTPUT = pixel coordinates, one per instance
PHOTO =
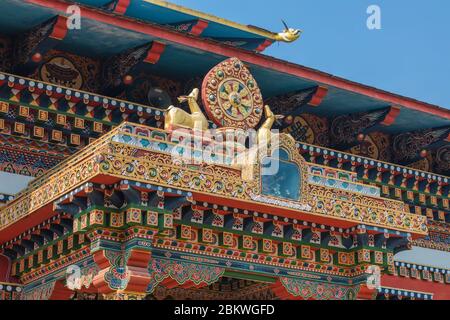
(100, 283)
(26, 223)
(170, 283)
(155, 52)
(137, 265)
(317, 98)
(101, 260)
(139, 259)
(263, 46)
(391, 116)
(199, 27)
(99, 280)
(122, 6)
(191, 285)
(61, 292)
(60, 29)
(139, 279)
(366, 294)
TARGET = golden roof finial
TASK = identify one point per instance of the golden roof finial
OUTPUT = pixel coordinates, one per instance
(288, 34)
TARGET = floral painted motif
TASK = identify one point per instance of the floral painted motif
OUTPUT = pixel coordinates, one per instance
(182, 272)
(309, 290)
(118, 275)
(43, 292)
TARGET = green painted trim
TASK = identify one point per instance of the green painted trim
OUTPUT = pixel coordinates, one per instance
(248, 276)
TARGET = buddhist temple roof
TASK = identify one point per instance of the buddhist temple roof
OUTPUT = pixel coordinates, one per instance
(124, 187)
(164, 14)
(146, 21)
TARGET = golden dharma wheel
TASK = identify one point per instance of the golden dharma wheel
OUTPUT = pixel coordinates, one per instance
(231, 96)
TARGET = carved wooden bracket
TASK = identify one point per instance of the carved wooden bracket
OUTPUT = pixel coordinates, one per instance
(36, 42)
(121, 6)
(318, 96)
(344, 130)
(408, 146)
(392, 115)
(122, 271)
(155, 52)
(198, 28)
(263, 46)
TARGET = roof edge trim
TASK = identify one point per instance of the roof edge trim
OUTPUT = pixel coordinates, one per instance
(264, 61)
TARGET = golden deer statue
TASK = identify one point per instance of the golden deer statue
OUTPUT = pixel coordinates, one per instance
(288, 34)
(265, 132)
(176, 117)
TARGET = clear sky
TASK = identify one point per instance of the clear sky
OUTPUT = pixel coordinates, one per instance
(410, 55)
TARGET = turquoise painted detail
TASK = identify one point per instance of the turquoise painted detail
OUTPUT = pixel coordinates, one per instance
(285, 182)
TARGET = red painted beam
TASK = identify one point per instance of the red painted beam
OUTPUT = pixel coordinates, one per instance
(122, 6)
(42, 214)
(61, 292)
(247, 56)
(263, 46)
(391, 116)
(5, 269)
(366, 294)
(280, 291)
(317, 98)
(59, 31)
(26, 223)
(199, 27)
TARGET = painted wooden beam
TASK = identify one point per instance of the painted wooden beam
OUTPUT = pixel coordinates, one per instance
(122, 6)
(30, 47)
(263, 46)
(60, 29)
(392, 115)
(322, 78)
(317, 98)
(199, 27)
(154, 54)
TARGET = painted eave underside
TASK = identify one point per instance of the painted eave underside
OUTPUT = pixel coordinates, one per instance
(104, 34)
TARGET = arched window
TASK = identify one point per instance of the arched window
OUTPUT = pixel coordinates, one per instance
(280, 176)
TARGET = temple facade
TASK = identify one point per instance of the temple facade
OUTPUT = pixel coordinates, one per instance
(150, 151)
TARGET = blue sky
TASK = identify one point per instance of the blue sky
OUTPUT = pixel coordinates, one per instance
(410, 55)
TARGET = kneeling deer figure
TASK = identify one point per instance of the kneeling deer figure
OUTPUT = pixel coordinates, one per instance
(176, 117)
(265, 132)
